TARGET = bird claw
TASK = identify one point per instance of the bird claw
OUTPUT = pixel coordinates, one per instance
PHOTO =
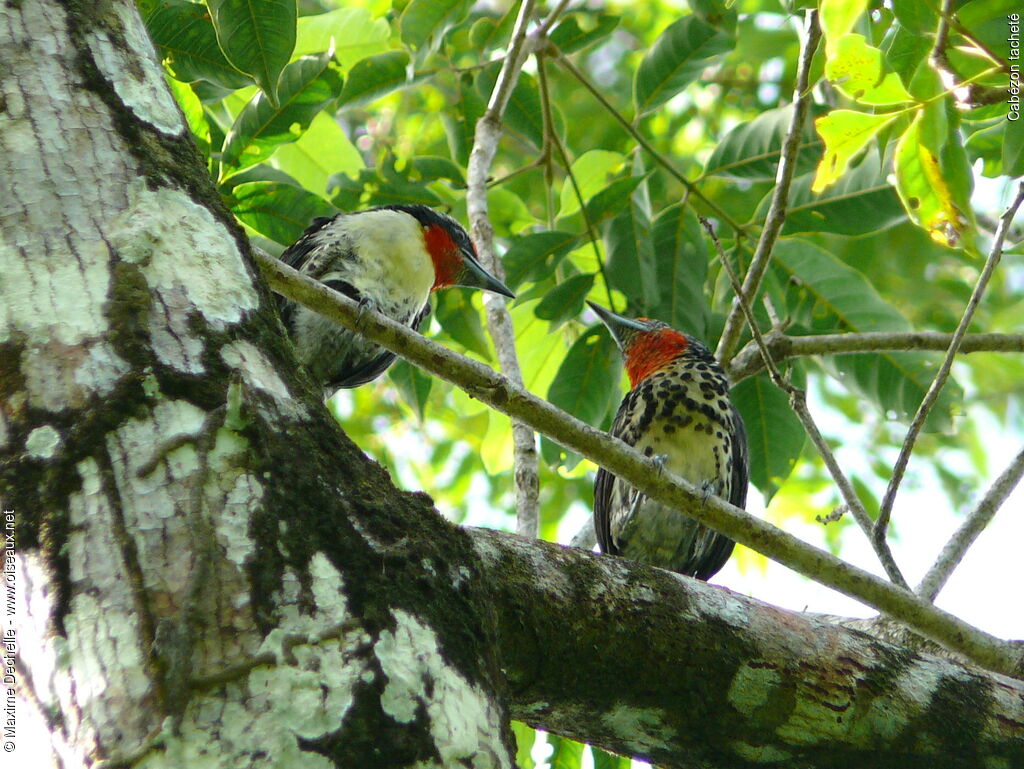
(660, 460)
(707, 490)
(364, 305)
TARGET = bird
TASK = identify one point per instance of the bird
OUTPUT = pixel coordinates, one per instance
(677, 411)
(390, 259)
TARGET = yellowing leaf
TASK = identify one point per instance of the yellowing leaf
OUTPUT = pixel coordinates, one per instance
(838, 18)
(923, 188)
(845, 133)
(855, 68)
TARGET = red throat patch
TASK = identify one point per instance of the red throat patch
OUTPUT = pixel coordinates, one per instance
(652, 350)
(444, 254)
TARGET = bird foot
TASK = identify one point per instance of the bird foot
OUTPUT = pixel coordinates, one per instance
(707, 490)
(364, 305)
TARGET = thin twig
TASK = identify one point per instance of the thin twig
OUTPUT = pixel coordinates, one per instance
(969, 530)
(499, 320)
(551, 140)
(798, 402)
(930, 397)
(644, 473)
(966, 93)
(748, 361)
(658, 157)
(776, 216)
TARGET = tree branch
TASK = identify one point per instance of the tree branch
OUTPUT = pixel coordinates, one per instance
(995, 254)
(499, 320)
(969, 530)
(749, 362)
(712, 678)
(798, 402)
(644, 473)
(780, 196)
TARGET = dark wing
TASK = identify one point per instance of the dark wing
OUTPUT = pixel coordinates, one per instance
(721, 546)
(298, 253)
(376, 365)
(605, 482)
(740, 463)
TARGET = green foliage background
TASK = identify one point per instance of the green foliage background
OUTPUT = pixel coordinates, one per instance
(304, 110)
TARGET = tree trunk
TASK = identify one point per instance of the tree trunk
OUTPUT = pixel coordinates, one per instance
(210, 568)
(211, 571)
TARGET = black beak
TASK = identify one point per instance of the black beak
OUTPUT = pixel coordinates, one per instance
(621, 328)
(475, 276)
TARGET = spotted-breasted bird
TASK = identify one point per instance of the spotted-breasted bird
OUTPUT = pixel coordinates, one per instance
(679, 411)
(389, 259)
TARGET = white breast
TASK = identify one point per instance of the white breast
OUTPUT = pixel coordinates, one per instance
(393, 256)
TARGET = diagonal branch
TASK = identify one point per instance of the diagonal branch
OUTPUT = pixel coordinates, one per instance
(898, 470)
(780, 197)
(749, 362)
(798, 402)
(499, 320)
(505, 396)
(969, 530)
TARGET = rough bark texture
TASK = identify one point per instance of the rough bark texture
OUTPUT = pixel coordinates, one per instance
(645, 662)
(183, 510)
(215, 575)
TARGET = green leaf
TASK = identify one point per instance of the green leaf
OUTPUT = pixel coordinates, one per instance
(717, 13)
(307, 86)
(585, 386)
(277, 210)
(678, 56)
(570, 36)
(681, 263)
(398, 190)
(914, 16)
(752, 150)
(425, 21)
(461, 117)
(432, 167)
(591, 171)
(830, 296)
(535, 256)
(609, 201)
(929, 198)
(991, 144)
(862, 202)
(630, 262)
(1013, 151)
(906, 52)
(460, 320)
(565, 300)
(525, 737)
(488, 33)
(188, 43)
(257, 37)
(523, 113)
(774, 434)
(374, 77)
(193, 111)
(605, 760)
(412, 384)
(856, 69)
(322, 151)
(566, 753)
(838, 17)
(353, 31)
(845, 133)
